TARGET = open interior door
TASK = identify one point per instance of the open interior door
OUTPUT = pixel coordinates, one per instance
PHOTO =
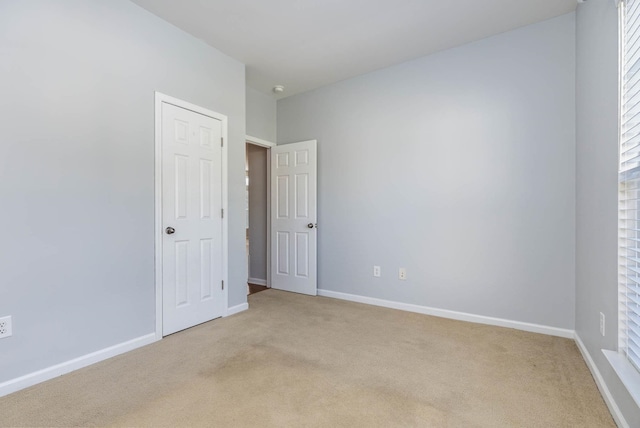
(293, 217)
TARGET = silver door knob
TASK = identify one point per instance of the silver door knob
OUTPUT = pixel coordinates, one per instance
(170, 230)
(310, 225)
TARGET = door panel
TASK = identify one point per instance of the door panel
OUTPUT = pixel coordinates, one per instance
(293, 228)
(302, 254)
(282, 196)
(181, 269)
(302, 196)
(206, 268)
(191, 204)
(283, 253)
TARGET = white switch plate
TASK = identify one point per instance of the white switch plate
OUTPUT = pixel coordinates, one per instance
(376, 271)
(5, 327)
(402, 273)
(601, 323)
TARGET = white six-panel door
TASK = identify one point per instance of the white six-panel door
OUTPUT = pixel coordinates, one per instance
(293, 217)
(192, 243)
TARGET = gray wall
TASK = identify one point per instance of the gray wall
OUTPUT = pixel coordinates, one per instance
(458, 166)
(257, 157)
(261, 115)
(597, 189)
(77, 79)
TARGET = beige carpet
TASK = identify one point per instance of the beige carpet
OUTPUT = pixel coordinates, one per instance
(298, 361)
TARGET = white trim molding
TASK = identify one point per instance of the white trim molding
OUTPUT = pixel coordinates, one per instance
(259, 141)
(34, 378)
(257, 281)
(237, 309)
(444, 313)
(628, 374)
(268, 145)
(159, 99)
(602, 385)
(617, 3)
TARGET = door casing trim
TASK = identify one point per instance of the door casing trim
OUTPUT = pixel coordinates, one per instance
(267, 145)
(159, 99)
(259, 142)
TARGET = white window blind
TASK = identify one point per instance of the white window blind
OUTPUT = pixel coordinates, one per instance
(629, 183)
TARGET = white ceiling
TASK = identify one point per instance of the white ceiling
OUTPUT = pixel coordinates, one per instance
(305, 44)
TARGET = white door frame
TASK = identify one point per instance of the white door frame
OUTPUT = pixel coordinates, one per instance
(268, 145)
(159, 99)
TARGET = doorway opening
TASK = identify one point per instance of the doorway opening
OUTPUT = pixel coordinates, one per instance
(257, 218)
(281, 211)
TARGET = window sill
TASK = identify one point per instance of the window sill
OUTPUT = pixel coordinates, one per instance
(629, 376)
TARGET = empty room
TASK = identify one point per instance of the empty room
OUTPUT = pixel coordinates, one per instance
(317, 213)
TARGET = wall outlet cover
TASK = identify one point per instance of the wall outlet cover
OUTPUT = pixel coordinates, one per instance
(376, 271)
(5, 327)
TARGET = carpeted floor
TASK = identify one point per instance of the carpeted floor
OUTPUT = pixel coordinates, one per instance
(299, 361)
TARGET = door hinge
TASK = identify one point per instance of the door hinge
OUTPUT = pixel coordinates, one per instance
(222, 212)
(221, 141)
(223, 284)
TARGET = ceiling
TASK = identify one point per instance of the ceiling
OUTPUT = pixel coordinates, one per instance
(305, 44)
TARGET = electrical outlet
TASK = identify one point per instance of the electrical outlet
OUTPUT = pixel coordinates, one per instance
(376, 271)
(402, 273)
(601, 323)
(5, 327)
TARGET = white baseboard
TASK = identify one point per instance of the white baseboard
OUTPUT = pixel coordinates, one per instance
(257, 281)
(34, 378)
(236, 309)
(602, 386)
(444, 313)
